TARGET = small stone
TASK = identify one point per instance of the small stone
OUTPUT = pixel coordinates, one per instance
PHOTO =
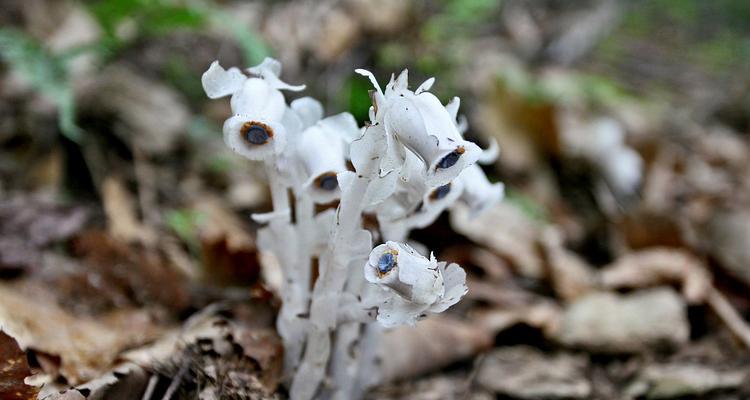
(609, 323)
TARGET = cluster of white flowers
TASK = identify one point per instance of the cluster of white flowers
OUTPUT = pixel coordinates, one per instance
(406, 166)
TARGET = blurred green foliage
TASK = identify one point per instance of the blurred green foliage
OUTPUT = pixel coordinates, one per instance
(354, 97)
(185, 223)
(45, 72)
(158, 17)
(710, 34)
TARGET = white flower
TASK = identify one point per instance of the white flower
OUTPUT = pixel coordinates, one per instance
(426, 127)
(414, 204)
(308, 110)
(321, 149)
(414, 285)
(256, 130)
(478, 192)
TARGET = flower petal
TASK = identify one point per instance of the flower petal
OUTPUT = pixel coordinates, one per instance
(425, 86)
(396, 311)
(257, 97)
(218, 82)
(309, 110)
(455, 287)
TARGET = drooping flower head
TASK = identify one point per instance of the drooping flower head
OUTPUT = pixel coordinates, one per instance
(419, 121)
(322, 149)
(414, 285)
(255, 130)
(478, 192)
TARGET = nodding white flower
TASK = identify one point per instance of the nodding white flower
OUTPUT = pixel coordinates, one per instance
(256, 130)
(416, 286)
(321, 150)
(308, 110)
(424, 125)
(478, 192)
(414, 204)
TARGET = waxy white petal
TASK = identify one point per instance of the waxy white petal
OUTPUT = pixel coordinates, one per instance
(218, 82)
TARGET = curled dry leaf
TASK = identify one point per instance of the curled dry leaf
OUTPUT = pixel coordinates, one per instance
(678, 380)
(14, 368)
(526, 373)
(149, 114)
(407, 352)
(27, 225)
(571, 276)
(659, 266)
(505, 230)
(120, 274)
(726, 235)
(221, 345)
(229, 252)
(640, 321)
(122, 215)
(77, 348)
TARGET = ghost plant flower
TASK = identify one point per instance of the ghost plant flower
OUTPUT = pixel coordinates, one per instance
(321, 148)
(478, 192)
(255, 130)
(424, 125)
(407, 165)
(416, 286)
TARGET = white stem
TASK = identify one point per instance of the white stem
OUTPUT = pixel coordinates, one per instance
(294, 295)
(329, 286)
(351, 316)
(368, 372)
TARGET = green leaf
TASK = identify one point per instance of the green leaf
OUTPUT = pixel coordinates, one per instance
(45, 72)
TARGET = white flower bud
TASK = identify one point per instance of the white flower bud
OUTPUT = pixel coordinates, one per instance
(322, 155)
(256, 130)
(418, 286)
(478, 192)
(308, 110)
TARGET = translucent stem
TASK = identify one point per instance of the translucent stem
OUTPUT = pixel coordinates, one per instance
(330, 285)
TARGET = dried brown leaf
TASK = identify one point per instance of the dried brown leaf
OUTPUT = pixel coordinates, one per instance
(14, 368)
(80, 347)
(659, 266)
(433, 343)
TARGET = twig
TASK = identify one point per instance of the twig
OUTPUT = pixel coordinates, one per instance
(729, 316)
(175, 382)
(151, 387)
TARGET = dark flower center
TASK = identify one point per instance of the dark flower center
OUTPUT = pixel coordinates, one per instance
(451, 158)
(327, 181)
(440, 192)
(386, 263)
(256, 133)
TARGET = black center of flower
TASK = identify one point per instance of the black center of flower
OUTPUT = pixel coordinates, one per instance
(328, 181)
(386, 263)
(255, 133)
(440, 192)
(451, 158)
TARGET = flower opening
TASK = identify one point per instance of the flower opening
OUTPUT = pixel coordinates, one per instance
(256, 133)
